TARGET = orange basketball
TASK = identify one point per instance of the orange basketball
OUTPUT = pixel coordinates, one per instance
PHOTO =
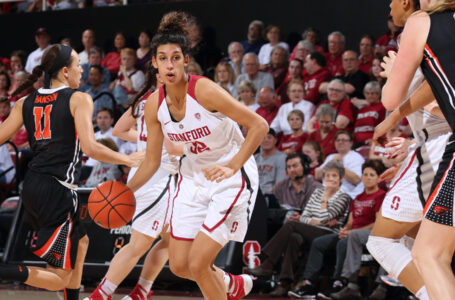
(111, 204)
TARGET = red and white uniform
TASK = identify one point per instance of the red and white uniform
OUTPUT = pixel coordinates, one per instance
(153, 199)
(220, 210)
(418, 170)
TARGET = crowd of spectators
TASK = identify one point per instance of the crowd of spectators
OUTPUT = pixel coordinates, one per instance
(317, 160)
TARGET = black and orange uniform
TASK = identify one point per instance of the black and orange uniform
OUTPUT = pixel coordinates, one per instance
(438, 66)
(49, 191)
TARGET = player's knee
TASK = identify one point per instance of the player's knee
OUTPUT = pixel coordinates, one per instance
(179, 268)
(197, 266)
(390, 253)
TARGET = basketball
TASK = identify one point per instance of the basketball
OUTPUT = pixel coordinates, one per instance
(111, 204)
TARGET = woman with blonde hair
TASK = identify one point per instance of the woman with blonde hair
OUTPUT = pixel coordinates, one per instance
(225, 76)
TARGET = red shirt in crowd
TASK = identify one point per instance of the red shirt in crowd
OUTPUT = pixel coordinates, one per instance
(368, 118)
(365, 65)
(328, 143)
(343, 108)
(334, 64)
(268, 115)
(290, 142)
(364, 208)
(112, 62)
(388, 42)
(312, 83)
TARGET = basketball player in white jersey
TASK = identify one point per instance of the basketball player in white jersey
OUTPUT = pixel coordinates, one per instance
(153, 205)
(402, 209)
(218, 178)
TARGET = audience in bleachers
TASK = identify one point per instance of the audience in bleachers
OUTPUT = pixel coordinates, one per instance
(317, 103)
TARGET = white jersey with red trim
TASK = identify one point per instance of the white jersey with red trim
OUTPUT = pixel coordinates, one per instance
(210, 138)
(168, 162)
(423, 124)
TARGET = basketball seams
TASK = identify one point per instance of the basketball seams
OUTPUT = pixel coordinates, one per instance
(110, 204)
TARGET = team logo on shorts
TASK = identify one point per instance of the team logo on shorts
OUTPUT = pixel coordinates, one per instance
(181, 126)
(441, 210)
(198, 116)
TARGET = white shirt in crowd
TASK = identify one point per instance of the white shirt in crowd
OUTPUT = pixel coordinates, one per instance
(99, 135)
(34, 59)
(281, 124)
(266, 49)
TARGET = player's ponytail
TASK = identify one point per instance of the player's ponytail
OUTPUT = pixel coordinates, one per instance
(150, 83)
(441, 5)
(54, 58)
(173, 30)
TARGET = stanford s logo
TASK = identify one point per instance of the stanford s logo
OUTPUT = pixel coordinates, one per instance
(155, 225)
(198, 147)
(251, 250)
(234, 227)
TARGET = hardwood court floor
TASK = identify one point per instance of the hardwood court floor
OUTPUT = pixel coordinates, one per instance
(10, 292)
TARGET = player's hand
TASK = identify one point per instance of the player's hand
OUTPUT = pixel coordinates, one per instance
(135, 159)
(398, 148)
(390, 173)
(218, 173)
(295, 217)
(381, 130)
(387, 63)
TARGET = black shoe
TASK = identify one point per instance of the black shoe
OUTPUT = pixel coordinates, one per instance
(305, 292)
(336, 287)
(261, 271)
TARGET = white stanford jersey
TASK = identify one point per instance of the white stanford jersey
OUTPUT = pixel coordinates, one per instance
(209, 137)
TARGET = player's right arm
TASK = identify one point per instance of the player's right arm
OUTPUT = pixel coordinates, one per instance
(124, 128)
(12, 124)
(154, 145)
(81, 105)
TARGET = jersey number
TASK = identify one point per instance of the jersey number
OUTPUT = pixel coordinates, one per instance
(45, 133)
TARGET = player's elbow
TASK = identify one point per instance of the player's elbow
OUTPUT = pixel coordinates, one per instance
(116, 131)
(262, 127)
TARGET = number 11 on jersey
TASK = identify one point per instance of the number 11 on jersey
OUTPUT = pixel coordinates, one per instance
(38, 113)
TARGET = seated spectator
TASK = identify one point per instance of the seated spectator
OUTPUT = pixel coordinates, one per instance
(296, 93)
(5, 108)
(314, 151)
(312, 35)
(268, 106)
(18, 79)
(325, 135)
(366, 49)
(302, 49)
(17, 63)
(316, 74)
(294, 72)
(88, 41)
(224, 76)
(103, 171)
(42, 39)
(5, 84)
(95, 88)
(254, 40)
(129, 79)
(336, 42)
(278, 65)
(271, 163)
(193, 68)
(369, 116)
(293, 142)
(144, 52)
(349, 242)
(203, 48)
(272, 33)
(64, 4)
(104, 121)
(344, 117)
(7, 169)
(376, 69)
(236, 52)
(353, 78)
(352, 162)
(324, 214)
(112, 59)
(247, 94)
(295, 191)
(252, 73)
(388, 41)
(94, 59)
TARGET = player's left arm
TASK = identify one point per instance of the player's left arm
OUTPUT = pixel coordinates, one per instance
(214, 98)
(12, 124)
(407, 61)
